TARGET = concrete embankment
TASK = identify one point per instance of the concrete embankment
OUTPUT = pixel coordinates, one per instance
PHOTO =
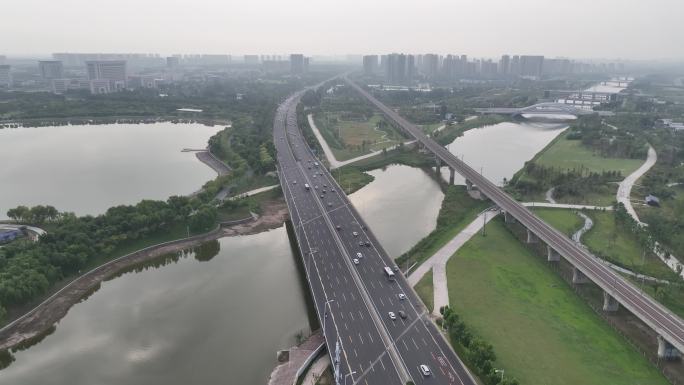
(212, 161)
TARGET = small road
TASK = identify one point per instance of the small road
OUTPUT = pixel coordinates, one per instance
(334, 163)
(625, 189)
(254, 192)
(439, 260)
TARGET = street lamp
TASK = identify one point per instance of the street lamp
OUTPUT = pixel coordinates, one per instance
(347, 375)
(325, 312)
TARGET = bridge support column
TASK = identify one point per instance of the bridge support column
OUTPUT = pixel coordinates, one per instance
(578, 277)
(551, 254)
(508, 218)
(451, 175)
(666, 350)
(531, 237)
(610, 303)
(469, 185)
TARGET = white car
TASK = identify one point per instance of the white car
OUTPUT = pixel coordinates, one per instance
(355, 234)
(425, 370)
(359, 255)
(294, 182)
(392, 316)
(356, 261)
(402, 296)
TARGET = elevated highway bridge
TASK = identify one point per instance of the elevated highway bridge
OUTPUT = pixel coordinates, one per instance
(616, 289)
(346, 270)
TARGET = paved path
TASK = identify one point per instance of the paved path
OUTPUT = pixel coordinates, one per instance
(316, 370)
(625, 189)
(566, 206)
(300, 356)
(334, 163)
(253, 192)
(438, 261)
(549, 195)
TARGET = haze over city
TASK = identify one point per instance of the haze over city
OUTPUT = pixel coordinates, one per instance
(580, 29)
(376, 192)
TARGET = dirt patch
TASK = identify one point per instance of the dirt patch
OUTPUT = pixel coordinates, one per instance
(38, 321)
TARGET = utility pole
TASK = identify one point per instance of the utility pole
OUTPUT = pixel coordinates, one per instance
(484, 223)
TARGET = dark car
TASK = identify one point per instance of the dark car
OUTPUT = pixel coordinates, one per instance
(402, 314)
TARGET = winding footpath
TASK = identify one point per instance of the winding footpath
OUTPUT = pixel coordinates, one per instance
(625, 189)
(334, 163)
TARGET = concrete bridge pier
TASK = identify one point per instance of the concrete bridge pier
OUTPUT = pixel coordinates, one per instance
(551, 254)
(438, 166)
(452, 174)
(578, 277)
(610, 303)
(666, 350)
(532, 237)
(469, 185)
(508, 218)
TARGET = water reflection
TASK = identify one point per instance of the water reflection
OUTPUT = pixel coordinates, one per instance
(500, 150)
(218, 321)
(400, 206)
(89, 168)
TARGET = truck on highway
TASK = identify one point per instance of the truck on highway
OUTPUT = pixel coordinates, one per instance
(306, 186)
(389, 273)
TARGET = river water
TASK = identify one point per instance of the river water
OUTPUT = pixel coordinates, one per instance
(215, 321)
(218, 315)
(500, 150)
(89, 168)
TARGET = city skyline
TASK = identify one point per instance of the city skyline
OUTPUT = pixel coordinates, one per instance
(528, 27)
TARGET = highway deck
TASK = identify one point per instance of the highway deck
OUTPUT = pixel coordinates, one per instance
(353, 301)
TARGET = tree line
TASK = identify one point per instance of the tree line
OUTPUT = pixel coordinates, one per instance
(478, 354)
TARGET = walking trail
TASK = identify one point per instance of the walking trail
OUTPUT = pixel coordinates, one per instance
(624, 196)
(334, 163)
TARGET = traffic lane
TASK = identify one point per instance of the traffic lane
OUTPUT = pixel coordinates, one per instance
(354, 329)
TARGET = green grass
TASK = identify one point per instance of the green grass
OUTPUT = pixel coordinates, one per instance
(425, 290)
(571, 154)
(346, 137)
(457, 211)
(351, 178)
(541, 331)
(604, 197)
(565, 221)
(618, 245)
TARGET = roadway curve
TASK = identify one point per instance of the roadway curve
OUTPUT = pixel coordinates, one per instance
(655, 315)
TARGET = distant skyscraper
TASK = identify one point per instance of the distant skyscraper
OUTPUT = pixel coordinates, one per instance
(395, 68)
(430, 65)
(172, 62)
(113, 71)
(531, 65)
(5, 76)
(297, 64)
(51, 69)
(505, 65)
(370, 64)
(515, 65)
(251, 59)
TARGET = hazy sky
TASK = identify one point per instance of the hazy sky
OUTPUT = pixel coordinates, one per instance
(574, 28)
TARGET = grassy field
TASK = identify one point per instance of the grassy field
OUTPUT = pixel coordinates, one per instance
(619, 246)
(565, 221)
(425, 290)
(457, 211)
(351, 138)
(541, 331)
(570, 154)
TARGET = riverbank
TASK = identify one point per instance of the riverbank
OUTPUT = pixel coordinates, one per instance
(94, 120)
(39, 320)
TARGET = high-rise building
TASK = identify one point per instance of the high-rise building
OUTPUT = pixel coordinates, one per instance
(251, 59)
(5, 76)
(297, 64)
(505, 65)
(430, 65)
(172, 62)
(395, 68)
(515, 65)
(370, 64)
(113, 71)
(531, 65)
(51, 69)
